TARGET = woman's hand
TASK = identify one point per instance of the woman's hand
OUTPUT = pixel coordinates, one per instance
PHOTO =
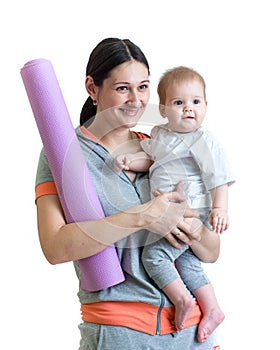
(170, 216)
(187, 231)
(180, 223)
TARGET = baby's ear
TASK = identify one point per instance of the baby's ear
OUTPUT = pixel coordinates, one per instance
(162, 111)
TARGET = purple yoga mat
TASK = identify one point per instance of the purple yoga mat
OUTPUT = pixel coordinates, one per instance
(75, 188)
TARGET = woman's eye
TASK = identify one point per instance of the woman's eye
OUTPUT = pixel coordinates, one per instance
(143, 87)
(122, 88)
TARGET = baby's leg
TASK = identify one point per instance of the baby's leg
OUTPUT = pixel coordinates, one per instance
(211, 311)
(182, 300)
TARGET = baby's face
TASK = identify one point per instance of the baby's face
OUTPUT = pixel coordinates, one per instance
(185, 106)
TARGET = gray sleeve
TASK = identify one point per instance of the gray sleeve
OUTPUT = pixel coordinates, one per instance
(44, 173)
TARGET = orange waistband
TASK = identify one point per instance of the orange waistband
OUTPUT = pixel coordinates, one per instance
(139, 316)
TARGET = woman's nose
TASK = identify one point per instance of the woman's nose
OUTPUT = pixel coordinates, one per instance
(134, 96)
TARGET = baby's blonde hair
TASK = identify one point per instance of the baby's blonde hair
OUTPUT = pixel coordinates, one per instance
(177, 74)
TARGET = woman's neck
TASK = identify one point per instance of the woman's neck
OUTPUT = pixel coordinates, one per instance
(111, 139)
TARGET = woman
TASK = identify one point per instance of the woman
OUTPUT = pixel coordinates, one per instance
(134, 313)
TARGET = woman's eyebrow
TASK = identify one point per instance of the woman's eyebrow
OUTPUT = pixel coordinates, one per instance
(127, 83)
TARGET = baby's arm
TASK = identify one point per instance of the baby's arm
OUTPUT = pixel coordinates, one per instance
(219, 215)
(136, 162)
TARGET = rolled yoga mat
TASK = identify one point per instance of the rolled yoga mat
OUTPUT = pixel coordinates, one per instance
(75, 188)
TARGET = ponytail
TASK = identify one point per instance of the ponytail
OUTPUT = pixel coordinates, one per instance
(88, 111)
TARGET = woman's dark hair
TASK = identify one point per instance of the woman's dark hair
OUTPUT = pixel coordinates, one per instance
(108, 54)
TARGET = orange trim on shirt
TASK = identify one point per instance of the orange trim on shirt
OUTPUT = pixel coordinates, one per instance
(45, 188)
(141, 135)
(89, 135)
(49, 187)
(139, 316)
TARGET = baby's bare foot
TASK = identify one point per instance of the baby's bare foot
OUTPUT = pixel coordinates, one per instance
(182, 310)
(209, 323)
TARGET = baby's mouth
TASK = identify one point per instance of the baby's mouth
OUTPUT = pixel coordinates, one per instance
(188, 117)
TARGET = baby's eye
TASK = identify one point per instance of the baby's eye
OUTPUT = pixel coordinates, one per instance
(196, 101)
(178, 103)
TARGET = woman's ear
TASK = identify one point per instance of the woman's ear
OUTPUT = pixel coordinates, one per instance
(91, 88)
(162, 111)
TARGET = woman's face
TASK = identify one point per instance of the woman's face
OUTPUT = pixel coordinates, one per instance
(124, 95)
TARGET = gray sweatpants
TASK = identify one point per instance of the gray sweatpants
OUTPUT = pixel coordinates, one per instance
(100, 337)
(158, 259)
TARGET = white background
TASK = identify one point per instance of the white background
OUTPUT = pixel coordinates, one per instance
(235, 46)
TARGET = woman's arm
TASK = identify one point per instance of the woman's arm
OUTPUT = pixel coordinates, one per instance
(204, 243)
(62, 242)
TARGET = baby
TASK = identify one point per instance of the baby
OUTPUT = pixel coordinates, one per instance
(180, 150)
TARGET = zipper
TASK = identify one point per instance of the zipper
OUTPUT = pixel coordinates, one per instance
(133, 183)
(135, 188)
(162, 302)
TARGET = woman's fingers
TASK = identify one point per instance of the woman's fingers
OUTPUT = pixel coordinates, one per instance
(180, 188)
(179, 234)
(171, 196)
(191, 213)
(186, 232)
(191, 227)
(173, 219)
(172, 240)
(175, 196)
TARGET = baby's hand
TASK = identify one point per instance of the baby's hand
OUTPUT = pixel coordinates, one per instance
(219, 220)
(121, 162)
